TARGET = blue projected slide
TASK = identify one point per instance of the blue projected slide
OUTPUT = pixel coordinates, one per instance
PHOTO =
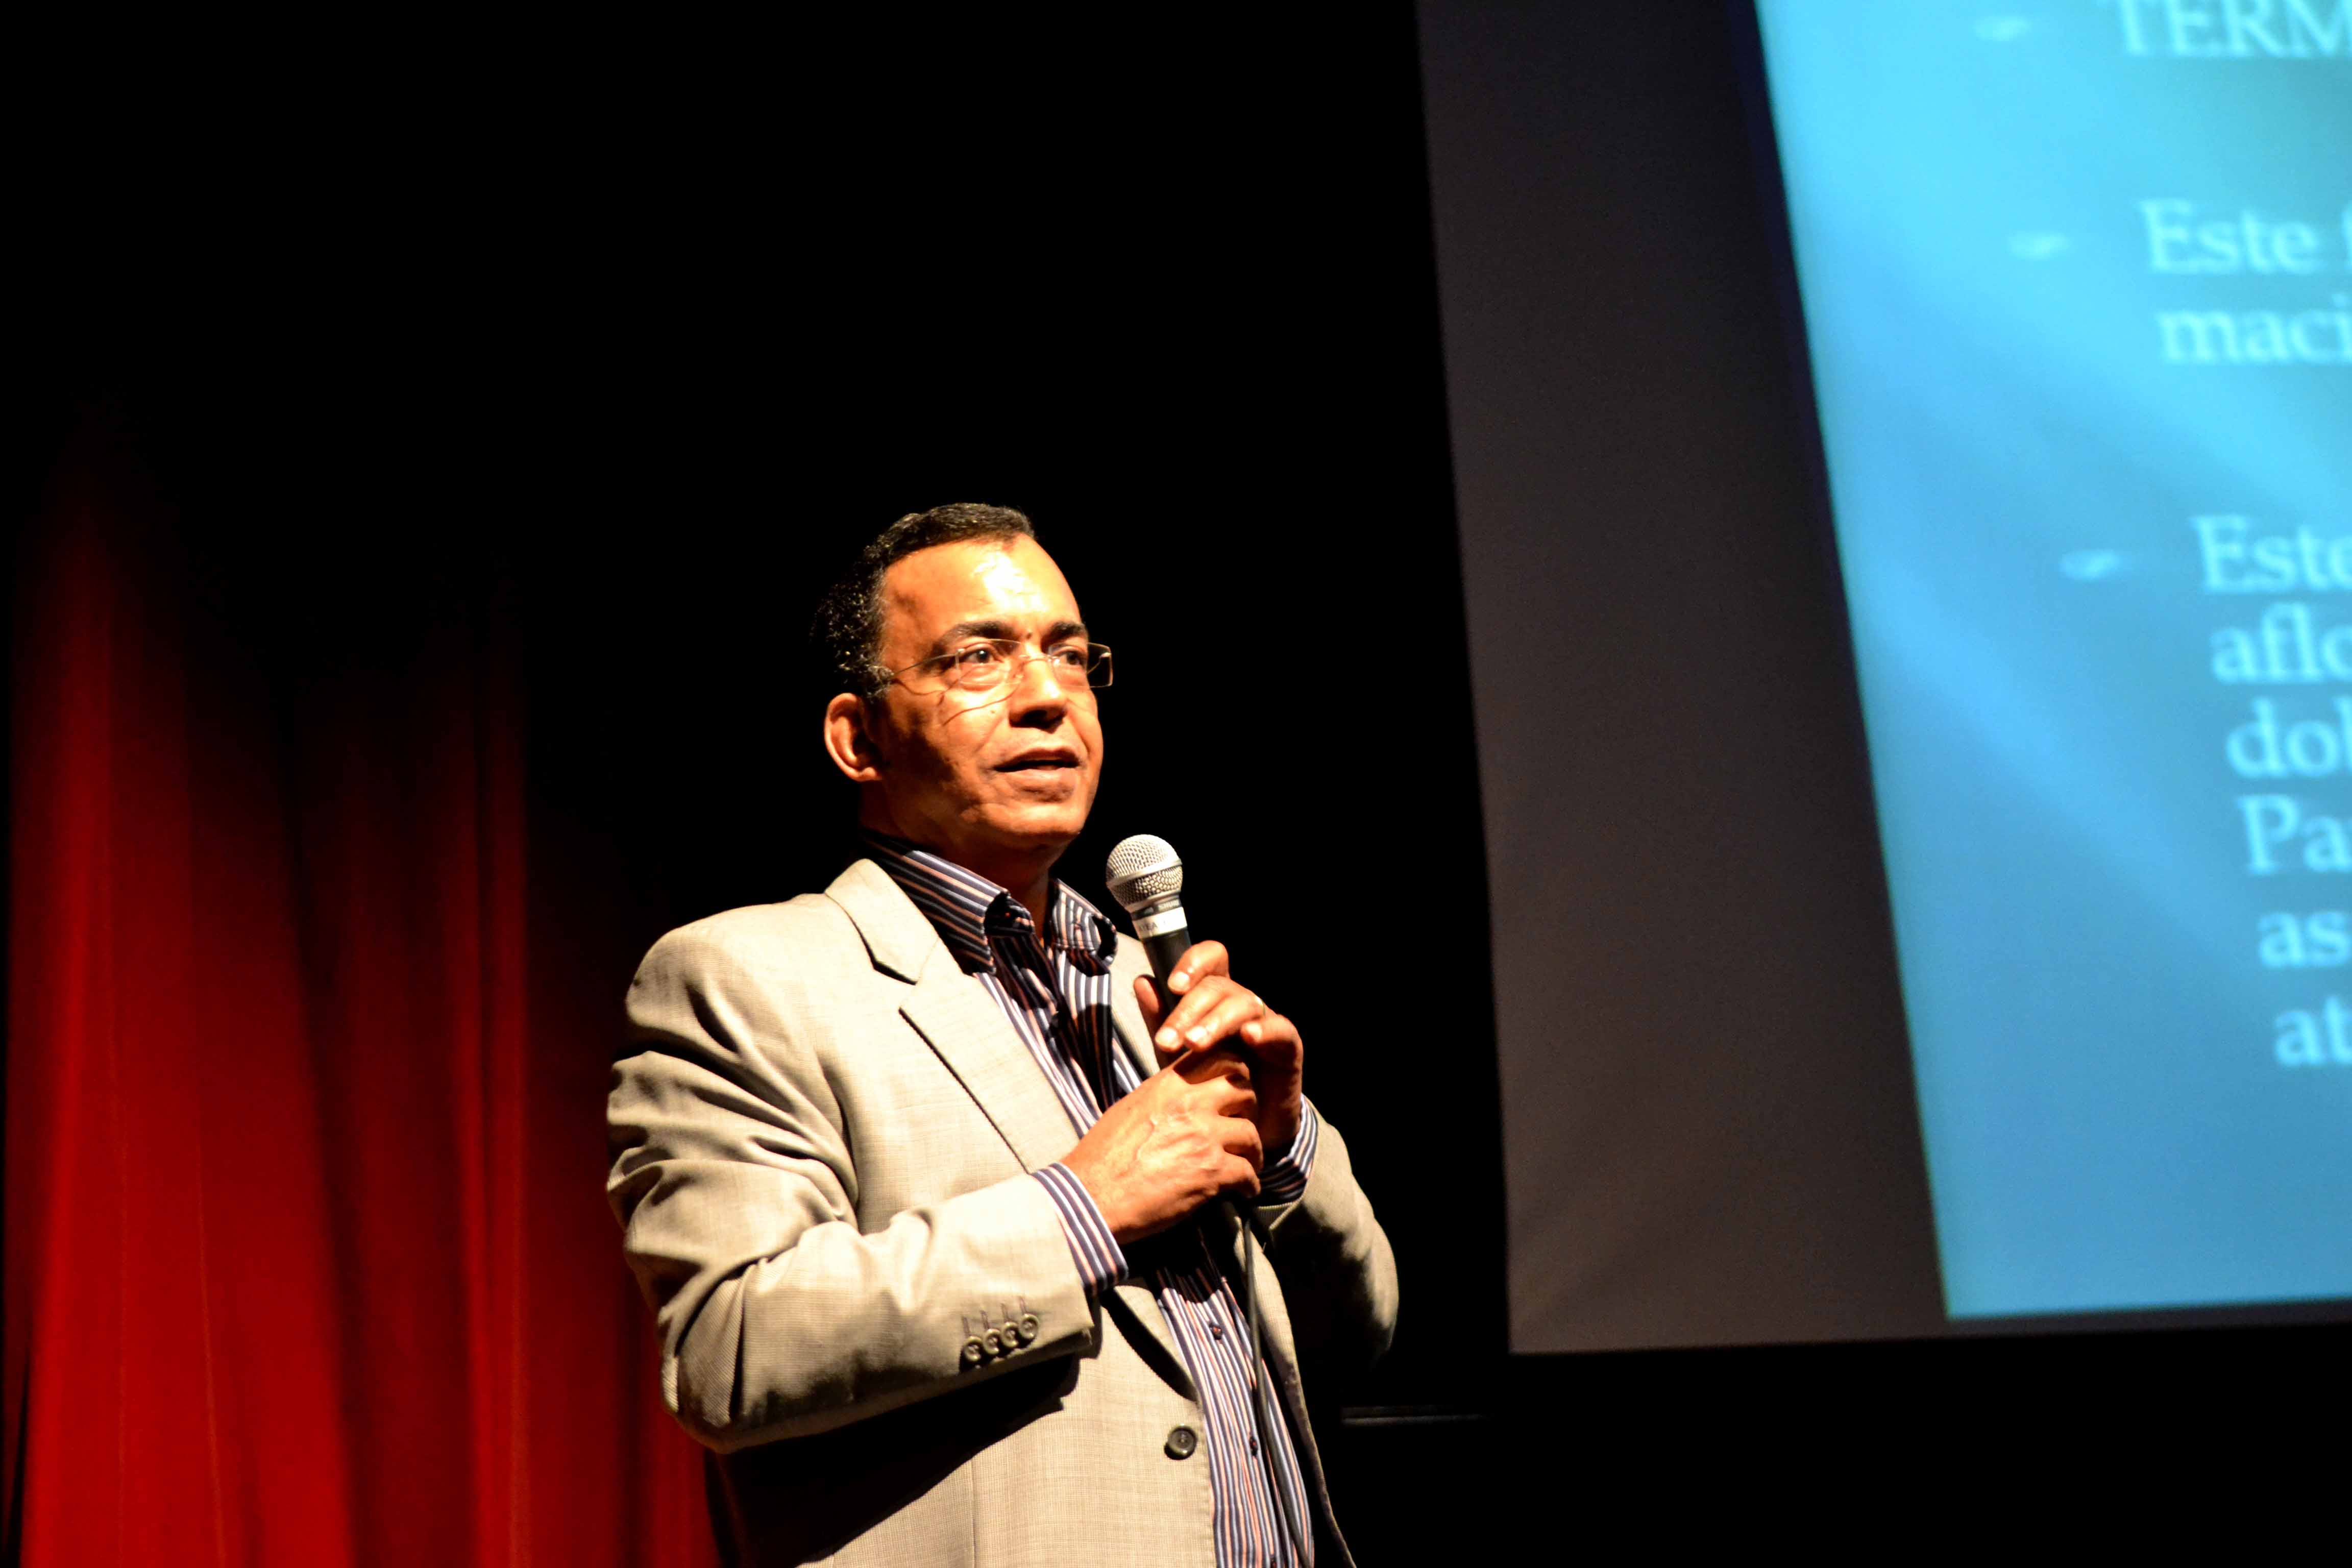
(2077, 279)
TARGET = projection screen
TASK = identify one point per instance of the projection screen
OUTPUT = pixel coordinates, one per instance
(2075, 281)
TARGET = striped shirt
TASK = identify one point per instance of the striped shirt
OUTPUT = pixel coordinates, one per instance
(1056, 990)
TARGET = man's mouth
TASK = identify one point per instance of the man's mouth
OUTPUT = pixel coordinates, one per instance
(1029, 761)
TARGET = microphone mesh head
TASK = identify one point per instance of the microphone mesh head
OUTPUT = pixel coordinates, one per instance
(1142, 870)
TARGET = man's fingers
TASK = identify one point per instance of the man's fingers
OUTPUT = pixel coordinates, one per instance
(1225, 1079)
(1199, 999)
(1273, 1038)
(1242, 1141)
(1191, 1007)
(1223, 1021)
(1202, 958)
(1214, 1009)
(1202, 1066)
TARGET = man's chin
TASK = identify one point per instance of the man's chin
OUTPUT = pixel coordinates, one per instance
(1038, 828)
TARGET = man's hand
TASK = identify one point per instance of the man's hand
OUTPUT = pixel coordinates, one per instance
(1185, 1136)
(1211, 1011)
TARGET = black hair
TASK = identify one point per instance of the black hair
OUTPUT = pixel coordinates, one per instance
(847, 631)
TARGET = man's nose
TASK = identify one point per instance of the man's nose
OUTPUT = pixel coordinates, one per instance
(1036, 686)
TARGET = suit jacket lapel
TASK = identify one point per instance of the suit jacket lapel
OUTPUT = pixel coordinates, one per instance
(1137, 1307)
(957, 1018)
(961, 1021)
(1125, 1017)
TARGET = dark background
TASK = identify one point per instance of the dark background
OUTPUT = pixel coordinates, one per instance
(621, 340)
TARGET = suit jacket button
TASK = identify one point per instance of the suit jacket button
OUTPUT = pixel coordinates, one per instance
(1028, 1330)
(1181, 1442)
(973, 1353)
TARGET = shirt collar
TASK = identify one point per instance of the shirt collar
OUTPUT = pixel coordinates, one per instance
(972, 913)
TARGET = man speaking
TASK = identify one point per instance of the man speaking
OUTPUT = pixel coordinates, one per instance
(922, 1186)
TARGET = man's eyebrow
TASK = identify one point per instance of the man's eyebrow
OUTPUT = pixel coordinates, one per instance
(955, 634)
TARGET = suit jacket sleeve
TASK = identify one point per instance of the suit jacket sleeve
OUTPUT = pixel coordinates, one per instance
(737, 1191)
(1338, 1276)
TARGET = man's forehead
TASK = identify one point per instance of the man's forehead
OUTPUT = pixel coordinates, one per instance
(974, 579)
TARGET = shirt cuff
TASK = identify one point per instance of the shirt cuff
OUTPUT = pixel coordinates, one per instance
(1101, 1264)
(1283, 1181)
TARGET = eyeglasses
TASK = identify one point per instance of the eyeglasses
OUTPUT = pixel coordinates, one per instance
(990, 665)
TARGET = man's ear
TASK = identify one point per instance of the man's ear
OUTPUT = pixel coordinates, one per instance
(848, 742)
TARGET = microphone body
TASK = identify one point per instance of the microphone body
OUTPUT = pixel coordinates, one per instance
(1165, 943)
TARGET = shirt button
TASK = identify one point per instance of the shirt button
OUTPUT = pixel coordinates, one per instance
(1252, 1447)
(1181, 1442)
(1216, 1331)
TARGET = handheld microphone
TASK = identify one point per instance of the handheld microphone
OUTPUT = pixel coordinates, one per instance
(1146, 877)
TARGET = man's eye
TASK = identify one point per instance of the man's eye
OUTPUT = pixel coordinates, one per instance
(1069, 658)
(979, 658)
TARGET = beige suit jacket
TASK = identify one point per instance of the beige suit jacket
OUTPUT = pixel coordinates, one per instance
(822, 1132)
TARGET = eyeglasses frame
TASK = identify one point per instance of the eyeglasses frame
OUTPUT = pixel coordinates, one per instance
(1017, 660)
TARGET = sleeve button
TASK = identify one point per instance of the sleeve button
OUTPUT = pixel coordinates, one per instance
(973, 1353)
(1181, 1442)
(1028, 1329)
(993, 1342)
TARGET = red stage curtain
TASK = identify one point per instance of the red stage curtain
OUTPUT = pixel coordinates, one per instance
(307, 1259)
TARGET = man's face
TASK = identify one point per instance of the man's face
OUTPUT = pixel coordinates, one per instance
(991, 778)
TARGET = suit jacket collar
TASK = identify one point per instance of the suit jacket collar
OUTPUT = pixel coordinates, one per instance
(956, 1016)
(899, 936)
(972, 913)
